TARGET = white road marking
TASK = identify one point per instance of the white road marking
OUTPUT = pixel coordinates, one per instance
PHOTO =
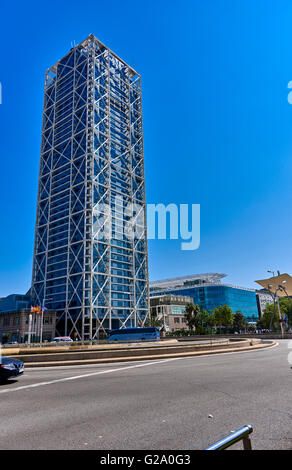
(66, 379)
(108, 371)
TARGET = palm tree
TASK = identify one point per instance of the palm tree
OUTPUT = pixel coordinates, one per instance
(153, 320)
(191, 312)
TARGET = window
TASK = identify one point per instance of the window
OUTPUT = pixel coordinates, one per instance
(178, 309)
(176, 320)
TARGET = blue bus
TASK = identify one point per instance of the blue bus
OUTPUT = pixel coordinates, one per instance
(134, 334)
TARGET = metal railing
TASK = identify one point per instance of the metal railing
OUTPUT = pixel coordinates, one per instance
(241, 434)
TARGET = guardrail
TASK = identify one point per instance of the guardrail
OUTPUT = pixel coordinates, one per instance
(241, 434)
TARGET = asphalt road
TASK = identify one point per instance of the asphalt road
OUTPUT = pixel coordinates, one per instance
(184, 403)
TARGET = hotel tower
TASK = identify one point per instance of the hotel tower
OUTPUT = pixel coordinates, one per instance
(90, 254)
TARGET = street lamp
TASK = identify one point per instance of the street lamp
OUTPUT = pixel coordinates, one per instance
(276, 298)
(284, 290)
(42, 317)
(276, 286)
(278, 302)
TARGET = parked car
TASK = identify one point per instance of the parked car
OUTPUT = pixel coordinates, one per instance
(10, 367)
(62, 339)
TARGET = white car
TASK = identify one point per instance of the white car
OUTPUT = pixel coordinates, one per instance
(62, 339)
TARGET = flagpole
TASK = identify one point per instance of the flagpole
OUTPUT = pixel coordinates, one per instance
(42, 320)
(29, 327)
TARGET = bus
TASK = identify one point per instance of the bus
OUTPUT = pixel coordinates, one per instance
(134, 334)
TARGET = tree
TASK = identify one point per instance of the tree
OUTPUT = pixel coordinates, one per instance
(251, 328)
(222, 316)
(204, 319)
(239, 322)
(286, 308)
(153, 320)
(270, 317)
(7, 337)
(191, 313)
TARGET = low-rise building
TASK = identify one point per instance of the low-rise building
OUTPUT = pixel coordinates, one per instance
(170, 309)
(17, 323)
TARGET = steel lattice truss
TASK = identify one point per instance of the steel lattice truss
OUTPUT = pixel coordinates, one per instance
(91, 156)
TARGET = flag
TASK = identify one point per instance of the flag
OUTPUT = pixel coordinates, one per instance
(35, 309)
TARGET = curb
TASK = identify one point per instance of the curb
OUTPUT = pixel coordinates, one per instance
(147, 357)
(133, 350)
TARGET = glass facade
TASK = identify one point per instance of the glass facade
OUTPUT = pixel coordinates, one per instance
(91, 170)
(15, 303)
(178, 309)
(209, 297)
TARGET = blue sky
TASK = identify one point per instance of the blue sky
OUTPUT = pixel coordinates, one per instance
(217, 123)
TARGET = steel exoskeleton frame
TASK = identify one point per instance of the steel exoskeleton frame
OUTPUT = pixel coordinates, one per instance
(91, 172)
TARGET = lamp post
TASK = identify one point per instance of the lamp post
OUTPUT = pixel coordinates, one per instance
(273, 296)
(29, 328)
(42, 317)
(284, 290)
(273, 285)
(42, 321)
(280, 315)
(276, 299)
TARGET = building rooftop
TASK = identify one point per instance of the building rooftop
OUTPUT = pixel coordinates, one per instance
(195, 279)
(92, 39)
(162, 297)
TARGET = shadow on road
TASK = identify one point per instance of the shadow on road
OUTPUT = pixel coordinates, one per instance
(7, 382)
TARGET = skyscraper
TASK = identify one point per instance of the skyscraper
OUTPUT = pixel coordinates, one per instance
(90, 254)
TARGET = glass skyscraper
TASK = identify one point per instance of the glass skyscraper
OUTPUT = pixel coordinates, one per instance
(90, 255)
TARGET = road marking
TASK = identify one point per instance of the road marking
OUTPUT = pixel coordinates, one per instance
(108, 371)
(66, 379)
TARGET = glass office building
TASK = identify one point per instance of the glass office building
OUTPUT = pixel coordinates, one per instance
(88, 264)
(15, 302)
(208, 292)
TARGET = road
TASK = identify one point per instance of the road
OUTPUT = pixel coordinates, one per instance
(183, 403)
